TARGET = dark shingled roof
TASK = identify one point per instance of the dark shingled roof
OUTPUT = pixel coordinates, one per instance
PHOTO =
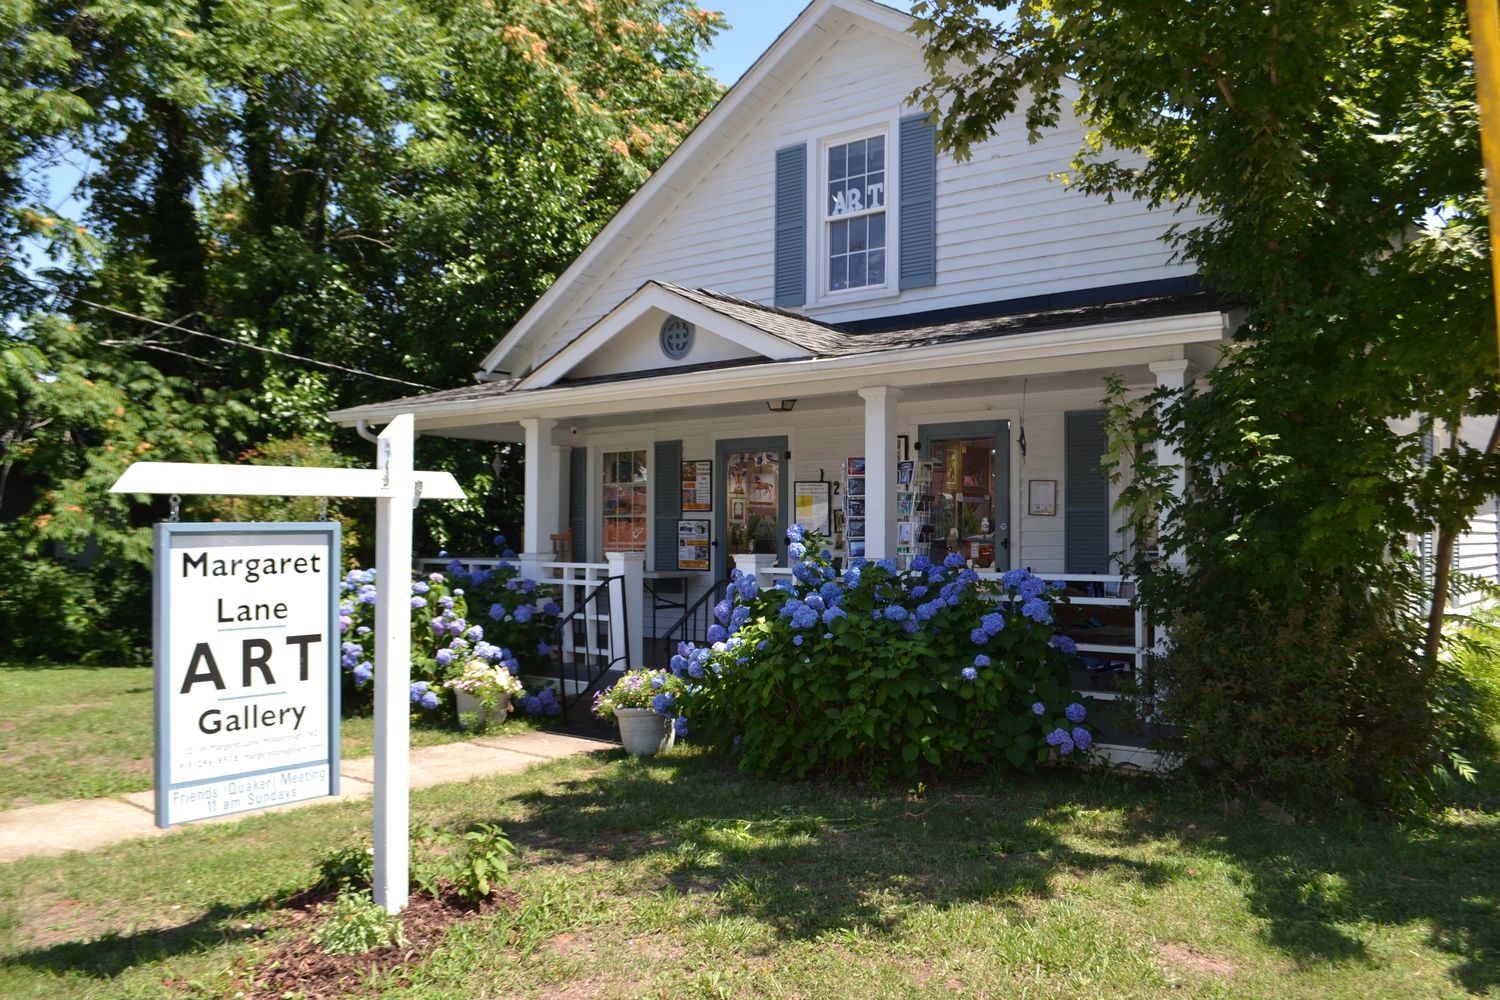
(823, 340)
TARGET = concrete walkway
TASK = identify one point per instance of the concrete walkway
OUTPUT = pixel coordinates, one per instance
(84, 824)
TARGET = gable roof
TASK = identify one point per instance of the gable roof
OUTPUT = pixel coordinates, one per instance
(676, 173)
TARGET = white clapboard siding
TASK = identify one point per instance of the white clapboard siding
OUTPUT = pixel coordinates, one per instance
(1005, 229)
(1477, 551)
(821, 439)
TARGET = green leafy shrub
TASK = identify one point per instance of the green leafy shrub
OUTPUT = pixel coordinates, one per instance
(356, 924)
(350, 866)
(468, 865)
(883, 672)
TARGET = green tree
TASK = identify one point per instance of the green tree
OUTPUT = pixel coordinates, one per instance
(1332, 151)
(380, 185)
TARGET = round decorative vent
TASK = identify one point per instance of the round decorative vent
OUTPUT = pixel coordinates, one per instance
(676, 338)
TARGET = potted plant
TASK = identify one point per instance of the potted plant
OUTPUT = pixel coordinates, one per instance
(484, 690)
(644, 703)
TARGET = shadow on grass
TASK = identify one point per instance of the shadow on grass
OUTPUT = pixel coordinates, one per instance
(108, 955)
(806, 858)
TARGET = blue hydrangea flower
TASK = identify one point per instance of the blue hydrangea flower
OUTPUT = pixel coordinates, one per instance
(680, 724)
(992, 623)
(969, 673)
(804, 617)
(717, 633)
(475, 633)
(444, 657)
(739, 616)
(981, 660)
(921, 564)
(1063, 644)
(833, 613)
(795, 533)
(889, 565)
(831, 593)
(445, 602)
(1037, 610)
(543, 649)
(797, 639)
(927, 611)
(662, 703)
(1037, 708)
(797, 551)
(1075, 712)
(552, 608)
(978, 636)
(1082, 738)
(851, 577)
(895, 613)
(814, 601)
(429, 700)
(362, 674)
(919, 591)
(910, 625)
(953, 560)
(1062, 740)
(362, 630)
(1032, 586)
(722, 611)
(806, 573)
(524, 612)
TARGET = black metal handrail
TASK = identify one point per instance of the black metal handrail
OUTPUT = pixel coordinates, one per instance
(693, 625)
(583, 658)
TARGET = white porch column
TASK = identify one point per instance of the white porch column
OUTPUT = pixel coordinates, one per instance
(880, 470)
(1174, 376)
(541, 499)
(631, 568)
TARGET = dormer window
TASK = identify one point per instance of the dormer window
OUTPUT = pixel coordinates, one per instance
(854, 214)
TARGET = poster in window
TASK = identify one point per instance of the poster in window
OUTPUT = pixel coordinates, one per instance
(698, 485)
(814, 505)
(903, 472)
(692, 544)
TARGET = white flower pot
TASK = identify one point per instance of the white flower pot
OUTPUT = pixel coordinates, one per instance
(645, 732)
(468, 704)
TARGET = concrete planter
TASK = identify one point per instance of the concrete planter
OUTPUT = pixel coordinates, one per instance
(645, 732)
(468, 704)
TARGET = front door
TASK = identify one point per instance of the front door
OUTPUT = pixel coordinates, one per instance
(970, 498)
(752, 512)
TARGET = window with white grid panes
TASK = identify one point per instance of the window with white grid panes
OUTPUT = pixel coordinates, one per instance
(854, 213)
(624, 501)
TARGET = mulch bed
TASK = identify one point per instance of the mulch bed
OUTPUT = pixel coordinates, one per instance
(299, 966)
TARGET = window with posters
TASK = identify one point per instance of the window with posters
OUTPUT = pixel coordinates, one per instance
(624, 500)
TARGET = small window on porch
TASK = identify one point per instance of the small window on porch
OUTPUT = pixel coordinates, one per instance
(624, 501)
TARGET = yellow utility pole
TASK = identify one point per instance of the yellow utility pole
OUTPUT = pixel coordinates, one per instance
(1484, 30)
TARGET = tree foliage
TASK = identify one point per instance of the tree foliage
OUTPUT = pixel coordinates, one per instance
(381, 185)
(1325, 158)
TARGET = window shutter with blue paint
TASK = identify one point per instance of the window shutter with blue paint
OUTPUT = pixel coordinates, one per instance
(1085, 494)
(791, 227)
(917, 192)
(578, 502)
(666, 471)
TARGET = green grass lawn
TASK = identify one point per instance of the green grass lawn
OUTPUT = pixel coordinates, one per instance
(83, 732)
(680, 877)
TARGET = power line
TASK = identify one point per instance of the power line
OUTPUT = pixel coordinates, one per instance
(227, 340)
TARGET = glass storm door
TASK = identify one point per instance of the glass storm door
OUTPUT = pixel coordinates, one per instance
(970, 492)
(752, 514)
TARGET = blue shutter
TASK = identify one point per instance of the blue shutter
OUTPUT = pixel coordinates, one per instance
(791, 229)
(917, 192)
(578, 502)
(1085, 494)
(666, 475)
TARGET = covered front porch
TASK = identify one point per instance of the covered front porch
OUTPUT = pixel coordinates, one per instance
(661, 481)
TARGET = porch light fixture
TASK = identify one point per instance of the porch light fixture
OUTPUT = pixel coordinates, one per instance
(780, 405)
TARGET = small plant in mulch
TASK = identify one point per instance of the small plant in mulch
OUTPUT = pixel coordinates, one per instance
(344, 938)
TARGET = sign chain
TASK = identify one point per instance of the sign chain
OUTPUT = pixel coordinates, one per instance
(176, 508)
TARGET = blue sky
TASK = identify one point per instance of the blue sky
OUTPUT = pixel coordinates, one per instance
(754, 25)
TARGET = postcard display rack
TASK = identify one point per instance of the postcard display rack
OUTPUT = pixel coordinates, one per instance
(854, 507)
(913, 510)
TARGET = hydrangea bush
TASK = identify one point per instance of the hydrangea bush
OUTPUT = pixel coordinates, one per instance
(515, 614)
(882, 672)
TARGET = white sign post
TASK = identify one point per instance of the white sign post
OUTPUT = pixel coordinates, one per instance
(397, 488)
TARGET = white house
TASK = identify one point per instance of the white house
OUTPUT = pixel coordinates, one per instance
(807, 288)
